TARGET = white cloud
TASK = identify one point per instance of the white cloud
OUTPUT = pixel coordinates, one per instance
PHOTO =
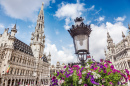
(98, 37)
(57, 32)
(91, 8)
(101, 18)
(75, 10)
(23, 9)
(88, 22)
(60, 40)
(31, 26)
(1, 28)
(65, 55)
(70, 10)
(71, 45)
(97, 11)
(121, 19)
(53, 1)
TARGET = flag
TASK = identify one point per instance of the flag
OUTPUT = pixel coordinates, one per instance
(128, 77)
(88, 56)
(8, 69)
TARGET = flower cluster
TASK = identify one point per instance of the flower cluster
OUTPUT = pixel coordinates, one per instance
(100, 73)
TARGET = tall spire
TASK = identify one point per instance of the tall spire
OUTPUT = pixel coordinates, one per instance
(41, 11)
(109, 37)
(37, 39)
(14, 28)
(128, 26)
(123, 35)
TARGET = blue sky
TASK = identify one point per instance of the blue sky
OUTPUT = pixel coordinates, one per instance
(103, 15)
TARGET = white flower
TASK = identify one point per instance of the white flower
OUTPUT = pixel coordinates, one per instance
(84, 72)
(80, 81)
(95, 75)
(87, 66)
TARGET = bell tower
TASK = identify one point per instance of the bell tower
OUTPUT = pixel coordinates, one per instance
(38, 37)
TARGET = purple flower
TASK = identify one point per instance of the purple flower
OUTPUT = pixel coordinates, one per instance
(101, 60)
(65, 66)
(81, 69)
(108, 61)
(93, 60)
(127, 71)
(99, 70)
(88, 75)
(85, 85)
(111, 83)
(61, 71)
(57, 74)
(92, 66)
(105, 65)
(95, 68)
(67, 75)
(112, 67)
(92, 80)
(101, 66)
(109, 72)
(104, 71)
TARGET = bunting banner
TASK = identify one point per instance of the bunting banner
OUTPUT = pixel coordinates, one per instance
(8, 69)
(88, 56)
(128, 77)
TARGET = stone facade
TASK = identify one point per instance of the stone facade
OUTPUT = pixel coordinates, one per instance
(27, 64)
(54, 69)
(119, 54)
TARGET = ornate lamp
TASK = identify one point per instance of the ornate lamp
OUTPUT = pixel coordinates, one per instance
(80, 34)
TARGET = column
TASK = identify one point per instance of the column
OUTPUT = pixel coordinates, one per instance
(10, 82)
(23, 82)
(30, 83)
(34, 83)
(14, 82)
(49, 81)
(6, 82)
(127, 64)
(2, 82)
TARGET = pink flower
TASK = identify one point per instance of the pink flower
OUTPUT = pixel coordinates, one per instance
(111, 83)
(109, 72)
(85, 85)
(95, 68)
(112, 67)
(65, 66)
(127, 71)
(105, 71)
(105, 65)
(99, 70)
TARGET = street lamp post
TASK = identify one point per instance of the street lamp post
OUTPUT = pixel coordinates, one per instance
(80, 34)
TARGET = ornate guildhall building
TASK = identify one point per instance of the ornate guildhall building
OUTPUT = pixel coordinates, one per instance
(119, 54)
(21, 64)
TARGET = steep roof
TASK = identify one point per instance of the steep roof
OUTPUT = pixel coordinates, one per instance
(21, 46)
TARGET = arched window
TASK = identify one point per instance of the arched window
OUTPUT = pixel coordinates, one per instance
(5, 45)
(1, 45)
(37, 37)
(18, 72)
(14, 59)
(39, 26)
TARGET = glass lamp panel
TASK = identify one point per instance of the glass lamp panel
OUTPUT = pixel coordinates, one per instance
(81, 42)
